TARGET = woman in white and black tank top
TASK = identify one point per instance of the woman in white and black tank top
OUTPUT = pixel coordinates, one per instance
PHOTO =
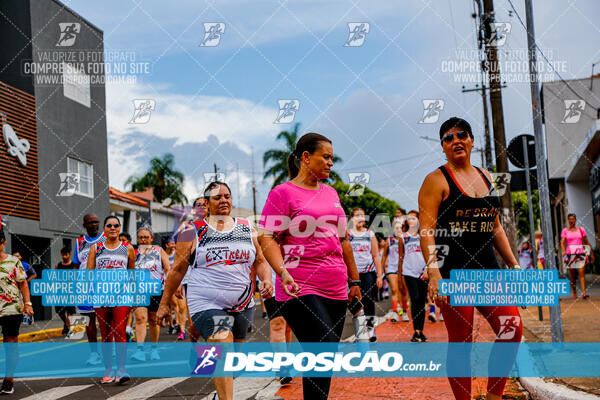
(220, 290)
(366, 256)
(112, 254)
(397, 284)
(156, 260)
(412, 268)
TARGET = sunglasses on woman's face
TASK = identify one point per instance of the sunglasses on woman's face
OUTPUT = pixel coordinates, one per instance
(112, 225)
(449, 137)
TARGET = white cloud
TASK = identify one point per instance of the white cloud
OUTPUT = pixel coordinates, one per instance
(187, 118)
(123, 160)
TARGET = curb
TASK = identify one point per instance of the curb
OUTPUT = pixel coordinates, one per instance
(541, 390)
(40, 335)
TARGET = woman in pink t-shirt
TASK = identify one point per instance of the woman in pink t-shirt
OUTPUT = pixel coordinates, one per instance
(303, 237)
(573, 244)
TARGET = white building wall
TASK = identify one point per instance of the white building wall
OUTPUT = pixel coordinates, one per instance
(579, 202)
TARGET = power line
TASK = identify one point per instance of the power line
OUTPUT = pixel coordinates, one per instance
(388, 162)
(543, 55)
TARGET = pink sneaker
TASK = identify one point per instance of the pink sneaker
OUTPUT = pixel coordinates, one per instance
(181, 336)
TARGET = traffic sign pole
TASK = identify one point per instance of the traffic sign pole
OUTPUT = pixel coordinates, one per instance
(530, 206)
(542, 172)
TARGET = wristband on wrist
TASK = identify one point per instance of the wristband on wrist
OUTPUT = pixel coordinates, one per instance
(354, 283)
(28, 303)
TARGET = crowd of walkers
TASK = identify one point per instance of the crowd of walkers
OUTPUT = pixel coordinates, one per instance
(210, 266)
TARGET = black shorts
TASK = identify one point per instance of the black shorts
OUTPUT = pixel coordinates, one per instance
(65, 309)
(209, 322)
(154, 303)
(273, 307)
(10, 324)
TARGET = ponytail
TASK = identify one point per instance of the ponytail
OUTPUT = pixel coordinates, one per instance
(309, 142)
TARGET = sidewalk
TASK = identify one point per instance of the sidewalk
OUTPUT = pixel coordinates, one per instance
(407, 388)
(581, 323)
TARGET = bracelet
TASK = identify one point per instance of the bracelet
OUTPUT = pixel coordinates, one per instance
(354, 283)
(28, 303)
(517, 266)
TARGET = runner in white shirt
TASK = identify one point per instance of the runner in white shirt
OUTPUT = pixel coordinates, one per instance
(220, 289)
(80, 256)
(154, 259)
(366, 256)
(112, 254)
(390, 260)
(412, 267)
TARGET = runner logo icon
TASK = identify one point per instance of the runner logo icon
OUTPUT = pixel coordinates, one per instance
(292, 255)
(142, 110)
(358, 33)
(68, 33)
(500, 182)
(213, 177)
(212, 34)
(508, 326)
(69, 183)
(431, 110)
(358, 182)
(287, 111)
(499, 33)
(573, 111)
(207, 359)
(77, 324)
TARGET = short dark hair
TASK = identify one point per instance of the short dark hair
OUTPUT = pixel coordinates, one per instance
(213, 185)
(109, 217)
(455, 122)
(309, 142)
(127, 235)
(572, 215)
(65, 250)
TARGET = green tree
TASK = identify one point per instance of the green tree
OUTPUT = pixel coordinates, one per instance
(163, 178)
(521, 210)
(278, 158)
(379, 210)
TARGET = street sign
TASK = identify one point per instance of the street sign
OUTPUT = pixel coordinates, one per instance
(518, 182)
(516, 153)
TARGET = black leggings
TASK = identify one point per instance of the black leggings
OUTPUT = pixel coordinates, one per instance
(417, 290)
(315, 319)
(368, 288)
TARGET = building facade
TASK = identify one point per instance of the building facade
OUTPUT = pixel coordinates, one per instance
(54, 149)
(571, 112)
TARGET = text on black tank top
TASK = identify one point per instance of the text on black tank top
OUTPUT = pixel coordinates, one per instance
(465, 228)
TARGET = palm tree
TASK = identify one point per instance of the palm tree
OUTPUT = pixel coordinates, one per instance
(278, 157)
(163, 178)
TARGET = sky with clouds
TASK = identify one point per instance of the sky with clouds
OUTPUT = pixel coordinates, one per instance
(217, 105)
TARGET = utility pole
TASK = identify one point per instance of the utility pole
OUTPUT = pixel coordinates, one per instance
(498, 119)
(215, 176)
(542, 172)
(486, 123)
(237, 167)
(253, 187)
(487, 148)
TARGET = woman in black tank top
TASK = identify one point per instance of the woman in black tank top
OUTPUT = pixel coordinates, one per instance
(460, 228)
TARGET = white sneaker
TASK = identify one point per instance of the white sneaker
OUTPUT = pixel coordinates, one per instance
(139, 355)
(154, 354)
(395, 316)
(432, 317)
(94, 359)
(405, 317)
(441, 317)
